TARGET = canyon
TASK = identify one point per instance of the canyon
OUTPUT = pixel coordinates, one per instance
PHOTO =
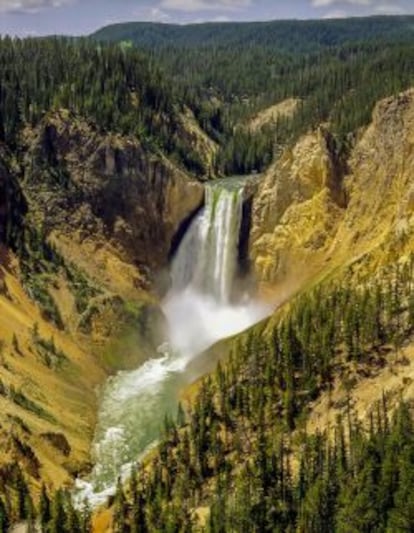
(310, 217)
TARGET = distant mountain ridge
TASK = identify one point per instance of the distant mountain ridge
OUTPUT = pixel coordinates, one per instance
(229, 73)
(289, 35)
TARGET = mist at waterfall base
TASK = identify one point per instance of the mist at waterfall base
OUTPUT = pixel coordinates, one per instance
(202, 307)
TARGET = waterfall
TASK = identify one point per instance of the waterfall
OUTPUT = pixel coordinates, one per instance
(200, 309)
(207, 258)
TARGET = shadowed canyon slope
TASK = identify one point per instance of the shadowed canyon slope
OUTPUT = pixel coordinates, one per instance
(85, 186)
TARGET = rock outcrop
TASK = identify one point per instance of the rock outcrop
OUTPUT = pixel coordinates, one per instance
(310, 217)
(380, 185)
(204, 148)
(4, 209)
(296, 209)
(104, 199)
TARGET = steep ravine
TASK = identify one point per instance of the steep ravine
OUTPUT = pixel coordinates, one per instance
(202, 306)
(111, 212)
(346, 231)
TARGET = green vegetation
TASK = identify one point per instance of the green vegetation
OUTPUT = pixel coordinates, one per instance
(55, 513)
(285, 36)
(228, 72)
(40, 264)
(82, 288)
(225, 73)
(50, 355)
(361, 481)
(235, 452)
(39, 261)
(20, 399)
(115, 87)
(16, 502)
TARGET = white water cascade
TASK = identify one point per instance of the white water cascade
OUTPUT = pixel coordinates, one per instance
(207, 259)
(200, 309)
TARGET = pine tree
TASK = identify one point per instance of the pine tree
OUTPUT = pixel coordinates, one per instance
(44, 508)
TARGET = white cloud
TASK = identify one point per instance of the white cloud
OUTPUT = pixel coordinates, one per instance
(390, 9)
(205, 5)
(152, 14)
(29, 6)
(384, 8)
(219, 18)
(336, 14)
(327, 3)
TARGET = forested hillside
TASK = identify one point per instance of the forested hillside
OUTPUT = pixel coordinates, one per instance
(242, 455)
(120, 90)
(223, 73)
(286, 36)
(229, 72)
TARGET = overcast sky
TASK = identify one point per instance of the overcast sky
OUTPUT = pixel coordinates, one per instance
(39, 17)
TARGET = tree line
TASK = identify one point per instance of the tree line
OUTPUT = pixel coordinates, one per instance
(228, 72)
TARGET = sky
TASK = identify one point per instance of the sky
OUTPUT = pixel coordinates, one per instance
(81, 17)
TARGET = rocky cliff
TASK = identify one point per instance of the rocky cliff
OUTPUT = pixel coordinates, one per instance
(313, 213)
(106, 196)
(296, 210)
(4, 207)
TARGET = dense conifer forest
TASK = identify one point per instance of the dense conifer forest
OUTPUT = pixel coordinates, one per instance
(118, 89)
(224, 73)
(242, 449)
(228, 72)
(286, 36)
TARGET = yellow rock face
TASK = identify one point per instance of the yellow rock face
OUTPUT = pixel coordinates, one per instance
(308, 218)
(61, 394)
(283, 109)
(297, 208)
(200, 142)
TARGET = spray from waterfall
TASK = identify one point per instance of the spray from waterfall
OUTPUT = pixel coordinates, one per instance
(201, 307)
